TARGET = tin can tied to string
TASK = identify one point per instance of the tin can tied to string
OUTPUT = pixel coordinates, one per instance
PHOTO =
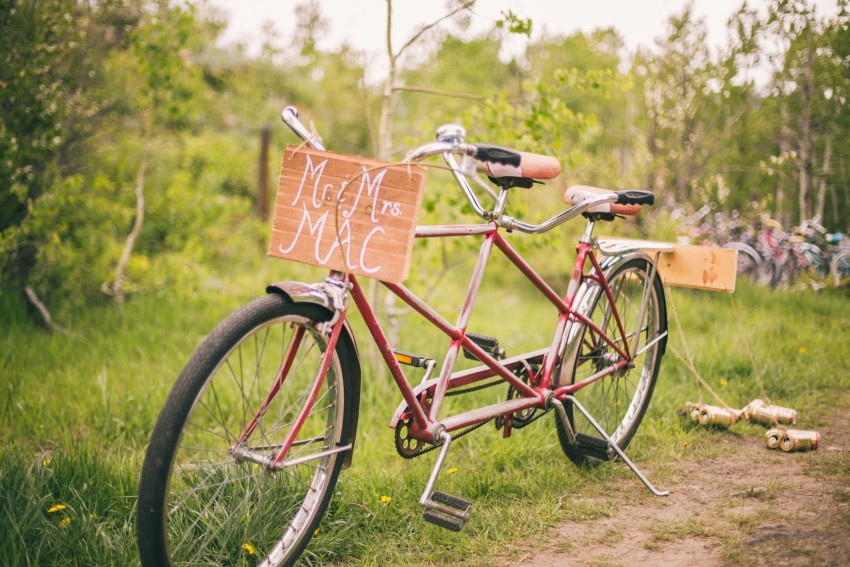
(760, 412)
(719, 417)
(773, 438)
(693, 410)
(799, 440)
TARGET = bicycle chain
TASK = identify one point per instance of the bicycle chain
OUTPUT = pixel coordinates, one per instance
(432, 447)
(522, 418)
(459, 435)
(530, 420)
(412, 455)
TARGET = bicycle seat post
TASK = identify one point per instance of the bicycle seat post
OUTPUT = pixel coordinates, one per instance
(587, 237)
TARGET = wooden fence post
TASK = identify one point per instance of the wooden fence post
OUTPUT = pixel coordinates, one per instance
(262, 205)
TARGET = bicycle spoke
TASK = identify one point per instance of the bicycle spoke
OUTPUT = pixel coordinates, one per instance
(219, 494)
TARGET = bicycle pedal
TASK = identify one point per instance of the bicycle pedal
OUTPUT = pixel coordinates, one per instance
(447, 522)
(488, 344)
(456, 502)
(593, 447)
(447, 511)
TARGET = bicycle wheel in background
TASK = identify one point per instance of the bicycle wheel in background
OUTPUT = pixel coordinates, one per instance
(813, 258)
(618, 401)
(768, 273)
(201, 502)
(748, 259)
(839, 267)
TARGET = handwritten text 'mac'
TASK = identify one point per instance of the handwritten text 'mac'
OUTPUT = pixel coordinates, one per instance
(314, 222)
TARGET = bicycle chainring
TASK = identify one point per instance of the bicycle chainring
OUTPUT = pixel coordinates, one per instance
(522, 418)
(407, 445)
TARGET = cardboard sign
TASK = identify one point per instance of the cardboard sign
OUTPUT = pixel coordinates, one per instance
(684, 265)
(346, 213)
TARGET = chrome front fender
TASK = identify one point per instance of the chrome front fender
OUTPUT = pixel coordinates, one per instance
(298, 292)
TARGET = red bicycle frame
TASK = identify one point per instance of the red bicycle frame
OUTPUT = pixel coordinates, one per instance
(529, 396)
(427, 423)
(422, 404)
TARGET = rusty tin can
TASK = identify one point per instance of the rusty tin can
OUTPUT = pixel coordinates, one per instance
(722, 417)
(693, 410)
(773, 438)
(760, 412)
(800, 440)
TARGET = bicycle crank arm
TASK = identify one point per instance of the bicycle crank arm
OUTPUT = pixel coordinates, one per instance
(441, 509)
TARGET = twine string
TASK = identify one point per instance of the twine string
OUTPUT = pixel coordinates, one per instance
(756, 372)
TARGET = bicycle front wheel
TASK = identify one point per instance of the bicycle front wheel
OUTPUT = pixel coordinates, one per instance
(619, 400)
(206, 496)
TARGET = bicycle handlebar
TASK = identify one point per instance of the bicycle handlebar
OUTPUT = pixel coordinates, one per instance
(506, 162)
(536, 165)
(289, 115)
(495, 154)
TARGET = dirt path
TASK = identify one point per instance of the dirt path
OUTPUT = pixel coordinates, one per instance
(751, 506)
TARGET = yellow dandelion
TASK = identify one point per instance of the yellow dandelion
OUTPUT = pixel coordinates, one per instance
(46, 461)
(386, 499)
(724, 382)
(453, 470)
(685, 443)
(56, 508)
(802, 350)
(64, 522)
(249, 548)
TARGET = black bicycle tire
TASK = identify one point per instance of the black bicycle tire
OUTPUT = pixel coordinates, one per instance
(165, 440)
(642, 265)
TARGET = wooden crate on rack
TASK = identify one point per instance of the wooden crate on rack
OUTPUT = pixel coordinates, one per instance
(684, 265)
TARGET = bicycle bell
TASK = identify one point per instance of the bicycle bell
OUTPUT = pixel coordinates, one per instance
(451, 133)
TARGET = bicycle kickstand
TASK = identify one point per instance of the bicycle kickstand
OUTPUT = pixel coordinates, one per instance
(442, 509)
(562, 415)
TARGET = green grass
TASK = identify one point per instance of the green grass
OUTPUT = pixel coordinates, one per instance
(76, 413)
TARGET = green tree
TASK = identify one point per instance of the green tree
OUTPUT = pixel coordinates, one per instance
(807, 58)
(680, 83)
(50, 57)
(115, 83)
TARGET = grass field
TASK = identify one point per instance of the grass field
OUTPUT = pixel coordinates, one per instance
(76, 413)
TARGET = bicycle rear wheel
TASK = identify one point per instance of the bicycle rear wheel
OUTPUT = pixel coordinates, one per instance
(204, 499)
(618, 401)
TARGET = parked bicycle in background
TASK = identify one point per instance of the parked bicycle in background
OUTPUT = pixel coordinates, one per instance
(770, 255)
